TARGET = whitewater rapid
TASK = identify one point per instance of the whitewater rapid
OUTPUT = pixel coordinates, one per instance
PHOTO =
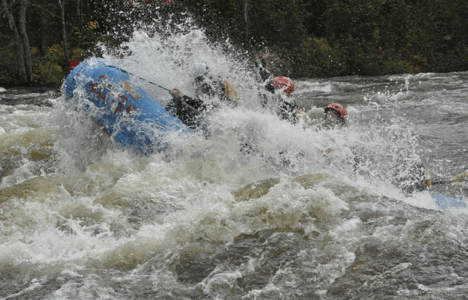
(82, 218)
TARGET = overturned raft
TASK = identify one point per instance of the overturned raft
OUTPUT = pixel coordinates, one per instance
(131, 116)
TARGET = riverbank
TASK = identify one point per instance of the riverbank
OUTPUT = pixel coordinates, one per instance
(39, 96)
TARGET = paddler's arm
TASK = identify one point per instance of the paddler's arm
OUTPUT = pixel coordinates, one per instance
(185, 103)
(189, 110)
(261, 64)
(424, 178)
(419, 178)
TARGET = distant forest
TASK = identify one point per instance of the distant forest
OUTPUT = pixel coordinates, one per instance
(310, 38)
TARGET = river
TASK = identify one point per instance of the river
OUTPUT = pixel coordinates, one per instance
(82, 218)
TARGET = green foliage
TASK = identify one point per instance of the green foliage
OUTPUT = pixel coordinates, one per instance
(308, 38)
(344, 37)
(86, 36)
(280, 23)
(50, 65)
(395, 36)
(8, 68)
(49, 69)
(318, 58)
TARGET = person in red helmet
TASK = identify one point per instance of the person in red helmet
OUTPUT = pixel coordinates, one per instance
(281, 87)
(336, 115)
(409, 177)
(285, 84)
(281, 83)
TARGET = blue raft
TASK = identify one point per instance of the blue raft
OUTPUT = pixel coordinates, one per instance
(445, 202)
(132, 117)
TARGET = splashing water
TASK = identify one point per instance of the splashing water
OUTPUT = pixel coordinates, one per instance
(288, 219)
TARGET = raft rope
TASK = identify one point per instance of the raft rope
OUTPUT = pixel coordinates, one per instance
(180, 101)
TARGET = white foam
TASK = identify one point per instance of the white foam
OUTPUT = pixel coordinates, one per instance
(307, 87)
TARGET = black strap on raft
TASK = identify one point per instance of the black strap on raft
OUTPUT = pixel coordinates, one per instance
(139, 77)
(454, 179)
(447, 181)
(179, 100)
(441, 182)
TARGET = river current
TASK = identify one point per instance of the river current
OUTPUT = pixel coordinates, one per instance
(82, 218)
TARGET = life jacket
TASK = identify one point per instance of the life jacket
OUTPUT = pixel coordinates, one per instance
(230, 91)
(222, 88)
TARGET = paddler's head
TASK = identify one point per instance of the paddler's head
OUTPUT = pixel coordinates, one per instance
(335, 115)
(199, 73)
(281, 83)
(202, 81)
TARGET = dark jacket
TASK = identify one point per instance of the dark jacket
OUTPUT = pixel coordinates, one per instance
(285, 110)
(191, 110)
(188, 110)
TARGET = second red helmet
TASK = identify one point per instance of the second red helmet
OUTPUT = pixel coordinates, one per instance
(285, 84)
(339, 108)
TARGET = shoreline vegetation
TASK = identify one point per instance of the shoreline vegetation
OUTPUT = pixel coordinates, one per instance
(319, 38)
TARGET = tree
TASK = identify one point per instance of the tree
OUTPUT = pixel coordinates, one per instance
(23, 51)
(61, 5)
(245, 6)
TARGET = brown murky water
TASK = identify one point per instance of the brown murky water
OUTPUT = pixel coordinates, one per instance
(81, 218)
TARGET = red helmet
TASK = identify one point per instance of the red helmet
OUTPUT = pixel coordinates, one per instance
(285, 84)
(339, 108)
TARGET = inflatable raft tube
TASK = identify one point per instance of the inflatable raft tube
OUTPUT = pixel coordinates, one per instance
(131, 116)
(445, 202)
